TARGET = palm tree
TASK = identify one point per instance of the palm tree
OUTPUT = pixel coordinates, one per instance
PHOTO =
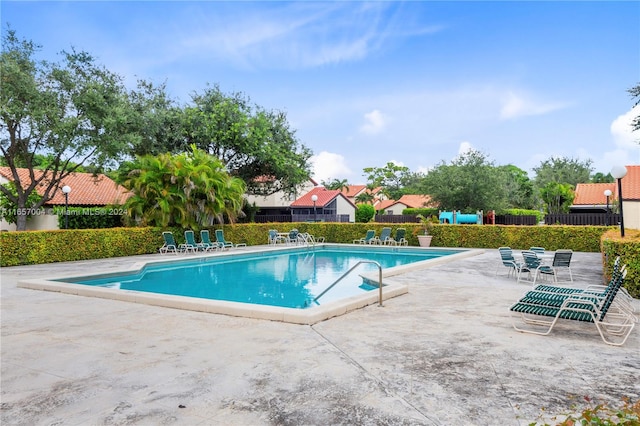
(189, 189)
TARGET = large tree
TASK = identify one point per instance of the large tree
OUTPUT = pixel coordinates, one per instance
(255, 144)
(73, 112)
(469, 183)
(391, 177)
(562, 170)
(192, 190)
(520, 191)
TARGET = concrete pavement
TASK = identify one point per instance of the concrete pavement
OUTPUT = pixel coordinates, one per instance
(443, 354)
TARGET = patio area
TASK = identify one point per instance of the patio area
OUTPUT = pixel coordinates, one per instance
(443, 354)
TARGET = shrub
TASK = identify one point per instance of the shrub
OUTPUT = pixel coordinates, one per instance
(364, 213)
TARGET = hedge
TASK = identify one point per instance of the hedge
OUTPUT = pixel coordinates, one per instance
(628, 248)
(34, 247)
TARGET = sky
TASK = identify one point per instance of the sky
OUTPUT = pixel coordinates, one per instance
(416, 83)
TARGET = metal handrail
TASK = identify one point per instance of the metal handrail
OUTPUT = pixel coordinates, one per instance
(348, 272)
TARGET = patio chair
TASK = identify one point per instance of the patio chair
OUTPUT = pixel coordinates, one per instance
(293, 236)
(537, 250)
(190, 242)
(384, 237)
(561, 259)
(507, 261)
(222, 243)
(530, 265)
(275, 237)
(205, 239)
(399, 239)
(613, 323)
(370, 235)
(169, 243)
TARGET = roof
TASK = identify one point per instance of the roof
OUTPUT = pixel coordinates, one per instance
(631, 183)
(415, 201)
(352, 191)
(325, 196)
(87, 189)
(410, 200)
(593, 193)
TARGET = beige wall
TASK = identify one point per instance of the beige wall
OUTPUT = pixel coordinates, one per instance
(34, 223)
(631, 210)
(345, 207)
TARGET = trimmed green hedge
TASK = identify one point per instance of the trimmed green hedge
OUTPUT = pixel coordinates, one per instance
(628, 248)
(34, 247)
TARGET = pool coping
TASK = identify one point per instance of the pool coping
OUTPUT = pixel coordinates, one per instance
(307, 316)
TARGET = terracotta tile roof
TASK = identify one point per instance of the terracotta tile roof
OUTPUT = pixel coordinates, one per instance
(593, 193)
(631, 184)
(325, 196)
(384, 204)
(86, 189)
(353, 190)
(410, 200)
(415, 201)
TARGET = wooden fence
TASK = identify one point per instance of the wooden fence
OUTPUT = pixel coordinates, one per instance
(594, 219)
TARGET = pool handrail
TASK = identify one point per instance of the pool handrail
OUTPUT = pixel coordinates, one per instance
(349, 271)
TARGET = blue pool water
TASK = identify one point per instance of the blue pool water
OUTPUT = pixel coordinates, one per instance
(290, 278)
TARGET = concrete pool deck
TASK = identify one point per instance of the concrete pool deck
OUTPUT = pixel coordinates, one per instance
(445, 353)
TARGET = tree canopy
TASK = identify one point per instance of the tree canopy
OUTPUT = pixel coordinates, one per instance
(563, 170)
(469, 183)
(74, 112)
(391, 177)
(255, 144)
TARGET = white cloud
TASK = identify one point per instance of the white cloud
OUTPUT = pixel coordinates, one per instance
(328, 165)
(464, 147)
(622, 132)
(514, 106)
(375, 122)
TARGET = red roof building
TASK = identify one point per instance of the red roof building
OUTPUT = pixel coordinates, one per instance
(87, 189)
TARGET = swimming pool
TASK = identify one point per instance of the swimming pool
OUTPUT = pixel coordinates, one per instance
(292, 278)
(284, 280)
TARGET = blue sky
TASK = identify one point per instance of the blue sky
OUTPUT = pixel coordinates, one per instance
(364, 83)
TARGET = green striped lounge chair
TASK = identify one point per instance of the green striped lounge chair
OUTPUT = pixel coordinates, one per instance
(541, 311)
(205, 239)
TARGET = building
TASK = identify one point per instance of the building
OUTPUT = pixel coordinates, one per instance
(87, 190)
(591, 198)
(329, 206)
(408, 201)
(279, 202)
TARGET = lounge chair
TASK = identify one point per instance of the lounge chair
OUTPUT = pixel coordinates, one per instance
(508, 261)
(399, 239)
(275, 237)
(205, 239)
(224, 243)
(370, 235)
(623, 297)
(613, 323)
(561, 260)
(190, 242)
(384, 237)
(169, 243)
